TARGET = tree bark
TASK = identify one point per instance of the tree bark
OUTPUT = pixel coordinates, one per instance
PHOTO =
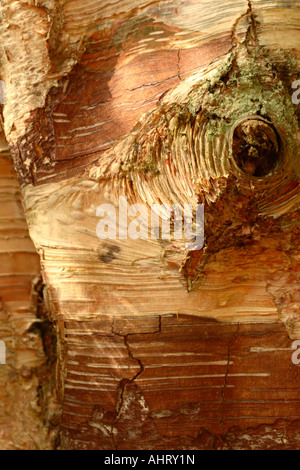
(28, 396)
(159, 346)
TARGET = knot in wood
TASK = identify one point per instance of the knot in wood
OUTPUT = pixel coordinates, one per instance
(256, 147)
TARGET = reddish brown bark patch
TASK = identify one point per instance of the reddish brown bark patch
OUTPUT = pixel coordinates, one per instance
(184, 383)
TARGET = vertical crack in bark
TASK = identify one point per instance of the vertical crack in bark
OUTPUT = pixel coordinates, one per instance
(224, 388)
(178, 65)
(121, 393)
(46, 373)
(225, 380)
(252, 41)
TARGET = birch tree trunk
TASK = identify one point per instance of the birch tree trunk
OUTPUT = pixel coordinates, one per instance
(159, 346)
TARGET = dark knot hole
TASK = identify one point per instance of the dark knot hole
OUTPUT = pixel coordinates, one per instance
(256, 147)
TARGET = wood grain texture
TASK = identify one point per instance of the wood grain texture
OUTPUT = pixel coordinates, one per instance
(158, 346)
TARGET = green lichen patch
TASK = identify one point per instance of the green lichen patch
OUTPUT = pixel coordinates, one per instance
(257, 84)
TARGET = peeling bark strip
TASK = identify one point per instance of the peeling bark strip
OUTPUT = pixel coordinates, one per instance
(29, 413)
(167, 103)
